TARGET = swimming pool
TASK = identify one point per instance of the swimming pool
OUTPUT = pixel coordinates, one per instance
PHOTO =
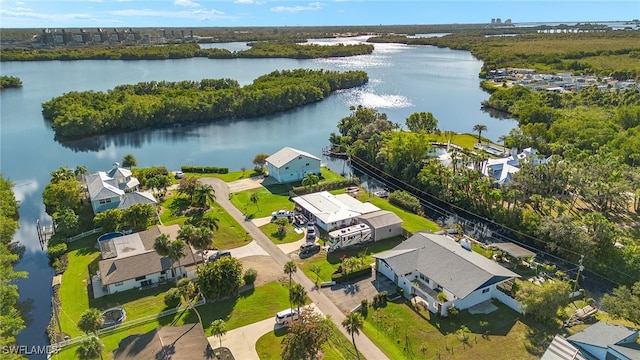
(109, 236)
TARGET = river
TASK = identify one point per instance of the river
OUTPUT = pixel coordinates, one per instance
(403, 80)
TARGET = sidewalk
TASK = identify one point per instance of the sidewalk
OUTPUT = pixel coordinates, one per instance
(324, 304)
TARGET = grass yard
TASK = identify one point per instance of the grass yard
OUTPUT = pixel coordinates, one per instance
(271, 230)
(410, 221)
(404, 333)
(229, 234)
(329, 262)
(242, 310)
(268, 202)
(269, 346)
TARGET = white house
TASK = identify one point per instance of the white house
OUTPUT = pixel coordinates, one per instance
(600, 341)
(290, 164)
(428, 264)
(115, 189)
(502, 169)
(130, 262)
(332, 212)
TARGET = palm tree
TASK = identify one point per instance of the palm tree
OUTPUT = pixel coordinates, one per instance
(189, 290)
(91, 321)
(297, 296)
(91, 348)
(218, 329)
(200, 238)
(187, 233)
(62, 173)
(204, 196)
(310, 180)
(129, 161)
(480, 128)
(80, 171)
(353, 323)
(254, 200)
(177, 250)
(289, 269)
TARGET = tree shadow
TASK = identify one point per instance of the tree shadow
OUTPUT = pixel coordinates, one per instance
(179, 205)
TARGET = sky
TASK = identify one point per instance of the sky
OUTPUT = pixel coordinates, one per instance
(208, 13)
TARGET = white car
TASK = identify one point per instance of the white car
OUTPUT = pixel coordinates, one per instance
(281, 214)
(179, 174)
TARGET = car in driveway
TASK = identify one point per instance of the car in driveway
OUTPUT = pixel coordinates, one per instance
(309, 249)
(218, 254)
(285, 317)
(281, 214)
(178, 174)
(311, 233)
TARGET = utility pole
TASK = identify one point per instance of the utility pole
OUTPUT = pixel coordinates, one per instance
(580, 268)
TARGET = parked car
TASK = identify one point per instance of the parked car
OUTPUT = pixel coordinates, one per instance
(281, 214)
(311, 232)
(178, 174)
(285, 317)
(309, 249)
(218, 254)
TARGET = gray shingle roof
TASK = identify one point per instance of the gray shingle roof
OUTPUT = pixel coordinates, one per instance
(175, 342)
(443, 260)
(514, 250)
(602, 334)
(132, 198)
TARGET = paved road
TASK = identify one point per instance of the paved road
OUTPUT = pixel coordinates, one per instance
(324, 304)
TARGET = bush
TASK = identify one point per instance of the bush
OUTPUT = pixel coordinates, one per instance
(364, 307)
(406, 201)
(204, 169)
(326, 186)
(172, 298)
(143, 174)
(250, 276)
(453, 311)
(342, 277)
(56, 251)
(380, 300)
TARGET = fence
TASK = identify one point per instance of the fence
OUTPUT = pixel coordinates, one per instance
(76, 237)
(127, 324)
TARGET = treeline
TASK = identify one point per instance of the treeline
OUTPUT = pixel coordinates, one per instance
(10, 82)
(11, 321)
(595, 52)
(571, 205)
(280, 49)
(149, 104)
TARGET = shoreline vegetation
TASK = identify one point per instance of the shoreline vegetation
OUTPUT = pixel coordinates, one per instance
(151, 104)
(7, 82)
(262, 49)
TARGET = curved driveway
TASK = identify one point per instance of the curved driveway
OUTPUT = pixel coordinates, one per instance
(324, 304)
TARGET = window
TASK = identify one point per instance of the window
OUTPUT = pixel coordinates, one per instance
(162, 272)
(484, 291)
(286, 168)
(141, 278)
(307, 164)
(119, 283)
(105, 201)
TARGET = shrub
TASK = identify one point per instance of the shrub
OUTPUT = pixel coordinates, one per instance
(56, 251)
(453, 311)
(342, 277)
(204, 169)
(380, 299)
(364, 307)
(172, 298)
(406, 201)
(250, 276)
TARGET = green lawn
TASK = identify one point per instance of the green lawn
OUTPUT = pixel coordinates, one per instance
(229, 234)
(261, 303)
(268, 202)
(269, 346)
(410, 221)
(271, 230)
(228, 177)
(404, 333)
(329, 262)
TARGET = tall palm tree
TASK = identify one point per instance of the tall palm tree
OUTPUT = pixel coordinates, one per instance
(129, 161)
(204, 196)
(177, 250)
(90, 348)
(91, 321)
(254, 198)
(480, 128)
(187, 233)
(297, 296)
(289, 269)
(218, 329)
(80, 171)
(174, 250)
(353, 323)
(62, 173)
(310, 180)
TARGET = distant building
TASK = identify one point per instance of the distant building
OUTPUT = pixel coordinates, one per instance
(600, 341)
(502, 170)
(289, 165)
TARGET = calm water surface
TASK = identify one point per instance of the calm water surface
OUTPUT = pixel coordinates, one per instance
(403, 80)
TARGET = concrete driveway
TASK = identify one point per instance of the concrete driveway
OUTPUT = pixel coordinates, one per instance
(251, 249)
(245, 184)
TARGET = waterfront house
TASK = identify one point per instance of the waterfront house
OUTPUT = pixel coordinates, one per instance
(501, 170)
(331, 212)
(441, 272)
(115, 189)
(600, 341)
(289, 165)
(129, 262)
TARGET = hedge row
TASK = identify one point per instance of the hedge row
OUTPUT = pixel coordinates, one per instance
(325, 186)
(204, 169)
(342, 277)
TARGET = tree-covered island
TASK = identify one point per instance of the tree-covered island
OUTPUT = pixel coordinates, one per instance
(274, 49)
(148, 104)
(10, 82)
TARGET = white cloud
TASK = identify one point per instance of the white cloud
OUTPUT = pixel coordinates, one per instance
(186, 3)
(35, 15)
(200, 14)
(243, 1)
(314, 6)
